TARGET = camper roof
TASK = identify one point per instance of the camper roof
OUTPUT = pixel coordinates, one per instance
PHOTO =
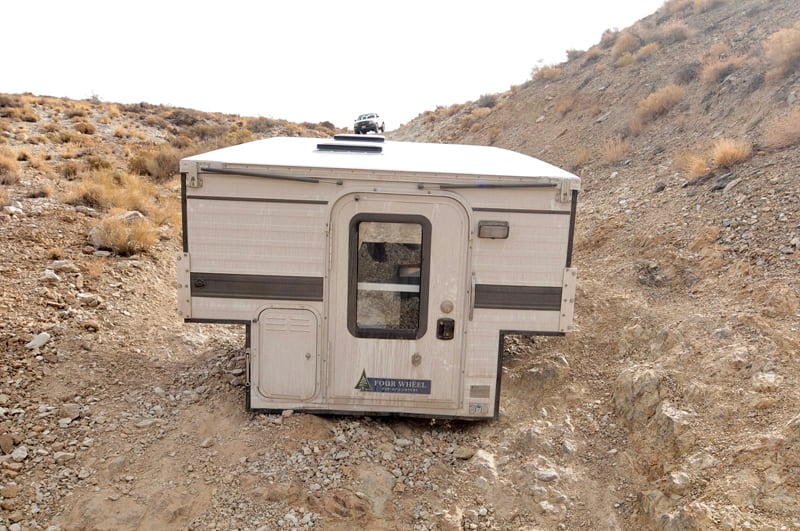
(392, 156)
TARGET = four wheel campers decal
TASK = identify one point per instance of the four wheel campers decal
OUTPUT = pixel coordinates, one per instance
(393, 385)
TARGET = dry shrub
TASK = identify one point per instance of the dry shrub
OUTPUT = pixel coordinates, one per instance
(573, 54)
(581, 156)
(50, 127)
(673, 7)
(69, 170)
(547, 72)
(77, 112)
(624, 60)
(693, 164)
(592, 55)
(96, 162)
(23, 155)
(672, 33)
(236, 135)
(615, 149)
(783, 131)
(160, 163)
(41, 165)
(487, 100)
(107, 189)
(715, 71)
(124, 233)
(626, 42)
(727, 152)
(658, 103)
(166, 210)
(783, 51)
(9, 167)
(68, 153)
(86, 128)
(701, 6)
(474, 128)
(608, 38)
(687, 73)
(646, 51)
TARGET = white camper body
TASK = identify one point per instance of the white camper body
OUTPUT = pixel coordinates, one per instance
(376, 277)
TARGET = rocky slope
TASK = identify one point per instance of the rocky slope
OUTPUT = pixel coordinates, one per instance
(673, 406)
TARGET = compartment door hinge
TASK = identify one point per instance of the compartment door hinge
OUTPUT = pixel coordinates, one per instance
(568, 286)
(184, 270)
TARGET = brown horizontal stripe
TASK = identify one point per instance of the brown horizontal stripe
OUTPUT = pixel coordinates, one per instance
(227, 286)
(499, 297)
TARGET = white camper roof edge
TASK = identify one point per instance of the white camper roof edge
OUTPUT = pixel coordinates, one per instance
(427, 161)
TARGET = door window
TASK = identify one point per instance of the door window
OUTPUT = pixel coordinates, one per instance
(388, 276)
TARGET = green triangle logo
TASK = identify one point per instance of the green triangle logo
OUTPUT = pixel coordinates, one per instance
(363, 382)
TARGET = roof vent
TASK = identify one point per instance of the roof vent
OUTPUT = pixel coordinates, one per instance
(352, 147)
(359, 138)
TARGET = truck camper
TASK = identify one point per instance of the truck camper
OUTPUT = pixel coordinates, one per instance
(376, 277)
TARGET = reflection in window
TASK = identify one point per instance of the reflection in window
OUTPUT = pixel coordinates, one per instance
(389, 258)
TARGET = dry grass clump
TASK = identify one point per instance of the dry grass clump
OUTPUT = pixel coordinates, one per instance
(720, 66)
(724, 153)
(9, 168)
(727, 152)
(41, 164)
(487, 100)
(693, 164)
(783, 131)
(87, 128)
(687, 73)
(673, 7)
(624, 60)
(783, 51)
(107, 189)
(608, 38)
(658, 103)
(626, 42)
(701, 6)
(615, 149)
(645, 51)
(124, 233)
(592, 55)
(160, 162)
(672, 33)
(50, 127)
(581, 156)
(77, 112)
(69, 170)
(546, 72)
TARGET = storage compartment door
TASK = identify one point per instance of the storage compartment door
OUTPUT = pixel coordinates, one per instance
(287, 350)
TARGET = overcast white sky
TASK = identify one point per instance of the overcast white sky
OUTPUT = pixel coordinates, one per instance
(300, 60)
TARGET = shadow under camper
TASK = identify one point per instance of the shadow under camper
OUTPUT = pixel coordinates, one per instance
(376, 277)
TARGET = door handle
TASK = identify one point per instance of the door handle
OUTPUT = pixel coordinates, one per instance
(472, 296)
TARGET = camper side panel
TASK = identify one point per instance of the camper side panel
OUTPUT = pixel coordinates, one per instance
(518, 279)
(250, 248)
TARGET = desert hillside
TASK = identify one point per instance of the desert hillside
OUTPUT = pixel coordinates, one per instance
(674, 405)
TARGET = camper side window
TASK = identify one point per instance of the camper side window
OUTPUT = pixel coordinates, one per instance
(388, 258)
